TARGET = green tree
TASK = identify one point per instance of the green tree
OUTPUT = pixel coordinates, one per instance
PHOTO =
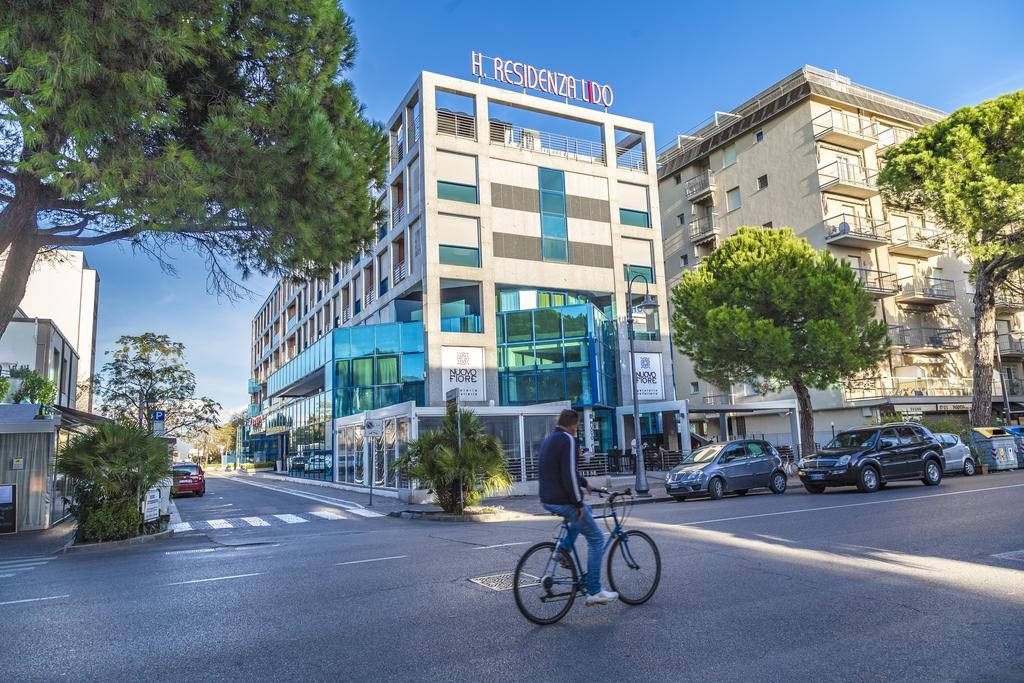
(221, 127)
(147, 372)
(5, 388)
(458, 475)
(767, 309)
(968, 171)
(112, 467)
(35, 388)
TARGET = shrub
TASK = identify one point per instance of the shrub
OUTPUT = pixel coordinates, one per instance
(115, 520)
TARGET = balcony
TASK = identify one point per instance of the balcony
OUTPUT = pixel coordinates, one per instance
(877, 283)
(852, 180)
(542, 142)
(717, 399)
(891, 135)
(914, 238)
(851, 230)
(895, 387)
(920, 289)
(397, 150)
(456, 123)
(632, 158)
(1010, 345)
(924, 340)
(254, 385)
(414, 134)
(700, 186)
(1008, 301)
(399, 272)
(845, 129)
(462, 323)
(397, 214)
(367, 298)
(703, 229)
(346, 315)
(255, 409)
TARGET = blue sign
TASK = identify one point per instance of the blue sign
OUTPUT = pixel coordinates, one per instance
(159, 415)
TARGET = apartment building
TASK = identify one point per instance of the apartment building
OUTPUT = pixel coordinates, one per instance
(805, 153)
(39, 345)
(515, 225)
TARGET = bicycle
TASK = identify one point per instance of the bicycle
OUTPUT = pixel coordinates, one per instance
(546, 578)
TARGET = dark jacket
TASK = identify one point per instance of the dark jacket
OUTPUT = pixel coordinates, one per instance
(556, 465)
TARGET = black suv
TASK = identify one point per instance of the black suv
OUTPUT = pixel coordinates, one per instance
(871, 457)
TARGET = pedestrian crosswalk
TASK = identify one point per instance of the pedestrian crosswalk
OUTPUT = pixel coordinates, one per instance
(13, 568)
(270, 520)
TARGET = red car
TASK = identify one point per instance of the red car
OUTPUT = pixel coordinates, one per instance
(188, 478)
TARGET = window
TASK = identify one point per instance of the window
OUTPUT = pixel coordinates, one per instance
(694, 387)
(768, 225)
(762, 182)
(678, 178)
(755, 449)
(730, 156)
(632, 217)
(684, 260)
(646, 272)
(456, 192)
(681, 218)
(759, 136)
(732, 198)
(553, 225)
(459, 256)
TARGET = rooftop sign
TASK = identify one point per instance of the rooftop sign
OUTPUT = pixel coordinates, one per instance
(527, 76)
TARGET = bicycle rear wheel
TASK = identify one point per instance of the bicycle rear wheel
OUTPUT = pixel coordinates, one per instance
(543, 588)
(634, 567)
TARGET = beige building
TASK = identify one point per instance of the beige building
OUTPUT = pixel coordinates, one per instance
(63, 288)
(514, 224)
(805, 153)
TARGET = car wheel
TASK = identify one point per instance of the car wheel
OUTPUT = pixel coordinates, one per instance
(968, 468)
(815, 488)
(741, 492)
(716, 488)
(932, 473)
(883, 484)
(200, 493)
(868, 481)
(778, 483)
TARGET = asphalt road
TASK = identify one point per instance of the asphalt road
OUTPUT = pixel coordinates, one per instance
(903, 584)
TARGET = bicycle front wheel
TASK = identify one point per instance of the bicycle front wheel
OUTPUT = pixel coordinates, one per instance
(544, 586)
(634, 567)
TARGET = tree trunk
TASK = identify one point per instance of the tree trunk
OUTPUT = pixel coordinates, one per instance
(803, 400)
(984, 347)
(18, 228)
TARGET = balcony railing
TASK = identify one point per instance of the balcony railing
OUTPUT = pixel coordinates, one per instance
(397, 214)
(368, 297)
(925, 289)
(703, 228)
(844, 128)
(1010, 344)
(855, 230)
(346, 314)
(877, 282)
(254, 385)
(1009, 300)
(632, 158)
(399, 272)
(915, 238)
(699, 185)
(462, 323)
(544, 142)
(893, 135)
(255, 409)
(875, 388)
(717, 399)
(849, 178)
(925, 339)
(456, 123)
(414, 134)
(397, 150)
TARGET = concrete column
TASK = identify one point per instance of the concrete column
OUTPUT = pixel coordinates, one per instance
(684, 429)
(723, 426)
(794, 430)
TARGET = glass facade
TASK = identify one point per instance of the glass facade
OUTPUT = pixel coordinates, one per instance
(456, 191)
(553, 226)
(377, 366)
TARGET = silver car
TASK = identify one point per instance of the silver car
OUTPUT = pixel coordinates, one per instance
(958, 456)
(731, 467)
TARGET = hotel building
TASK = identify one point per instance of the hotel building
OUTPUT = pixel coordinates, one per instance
(515, 223)
(805, 153)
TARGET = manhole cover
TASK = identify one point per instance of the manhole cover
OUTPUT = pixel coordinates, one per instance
(503, 582)
(1015, 555)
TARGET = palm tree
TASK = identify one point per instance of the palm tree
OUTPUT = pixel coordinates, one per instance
(458, 474)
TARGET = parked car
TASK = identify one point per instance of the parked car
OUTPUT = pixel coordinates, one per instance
(730, 467)
(958, 456)
(871, 457)
(188, 478)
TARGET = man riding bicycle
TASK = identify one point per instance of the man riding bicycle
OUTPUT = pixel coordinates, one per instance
(561, 494)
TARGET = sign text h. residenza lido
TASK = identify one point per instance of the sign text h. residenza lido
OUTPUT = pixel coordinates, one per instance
(522, 75)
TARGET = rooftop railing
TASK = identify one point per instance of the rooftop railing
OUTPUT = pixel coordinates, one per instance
(632, 158)
(456, 123)
(543, 142)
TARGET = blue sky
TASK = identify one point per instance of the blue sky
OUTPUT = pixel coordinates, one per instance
(672, 63)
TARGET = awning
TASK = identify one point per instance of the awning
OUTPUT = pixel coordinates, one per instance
(77, 420)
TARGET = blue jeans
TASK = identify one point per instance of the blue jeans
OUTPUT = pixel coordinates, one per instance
(594, 535)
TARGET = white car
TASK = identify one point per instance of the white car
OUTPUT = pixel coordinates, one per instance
(958, 456)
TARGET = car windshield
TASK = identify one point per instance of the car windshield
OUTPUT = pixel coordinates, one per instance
(186, 469)
(705, 454)
(861, 438)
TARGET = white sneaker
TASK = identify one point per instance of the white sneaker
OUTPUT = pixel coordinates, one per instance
(602, 598)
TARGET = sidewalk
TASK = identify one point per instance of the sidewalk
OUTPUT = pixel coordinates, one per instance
(37, 543)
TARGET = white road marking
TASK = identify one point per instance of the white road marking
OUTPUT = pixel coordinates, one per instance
(219, 524)
(181, 526)
(851, 505)
(291, 519)
(501, 545)
(18, 602)
(6, 576)
(327, 515)
(21, 565)
(346, 505)
(227, 505)
(189, 552)
(374, 559)
(255, 521)
(216, 578)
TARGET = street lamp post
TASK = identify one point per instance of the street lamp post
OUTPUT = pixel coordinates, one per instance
(641, 487)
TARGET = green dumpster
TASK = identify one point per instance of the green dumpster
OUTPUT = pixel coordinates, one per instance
(993, 446)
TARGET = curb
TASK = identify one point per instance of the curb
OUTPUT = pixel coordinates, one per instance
(92, 547)
(442, 517)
